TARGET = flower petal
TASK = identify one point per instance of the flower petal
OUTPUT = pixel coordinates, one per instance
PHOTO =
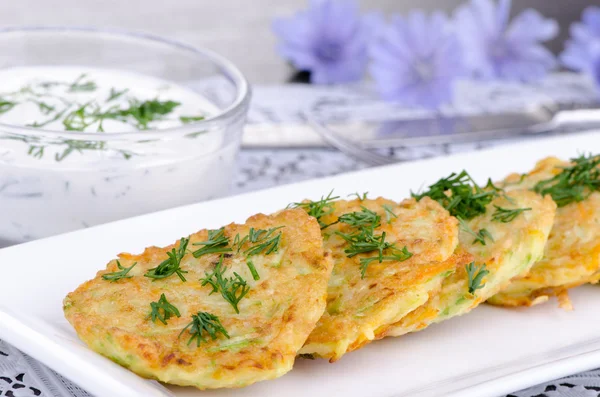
(591, 18)
(531, 26)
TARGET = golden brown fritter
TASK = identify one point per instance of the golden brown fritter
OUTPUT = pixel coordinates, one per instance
(572, 255)
(275, 317)
(356, 306)
(515, 247)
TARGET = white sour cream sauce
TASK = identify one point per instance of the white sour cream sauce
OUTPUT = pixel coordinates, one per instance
(46, 189)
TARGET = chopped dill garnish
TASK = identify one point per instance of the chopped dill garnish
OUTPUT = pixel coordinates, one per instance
(57, 116)
(389, 213)
(5, 105)
(114, 94)
(318, 209)
(393, 254)
(574, 183)
(363, 218)
(216, 244)
(507, 215)
(80, 86)
(44, 107)
(365, 241)
(476, 275)
(145, 112)
(171, 265)
(116, 276)
(361, 197)
(233, 289)
(168, 310)
(74, 145)
(253, 270)
(204, 323)
(190, 119)
(264, 241)
(480, 236)
(460, 195)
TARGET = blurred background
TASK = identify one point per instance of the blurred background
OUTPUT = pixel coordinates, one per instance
(245, 36)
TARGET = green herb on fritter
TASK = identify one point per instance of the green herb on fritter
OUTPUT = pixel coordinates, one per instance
(574, 183)
(476, 275)
(460, 195)
(163, 310)
(233, 289)
(480, 236)
(318, 209)
(505, 215)
(116, 276)
(204, 324)
(172, 264)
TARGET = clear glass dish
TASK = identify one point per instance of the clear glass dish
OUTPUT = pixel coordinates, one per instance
(55, 181)
(483, 113)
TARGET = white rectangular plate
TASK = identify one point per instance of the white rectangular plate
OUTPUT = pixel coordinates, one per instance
(489, 352)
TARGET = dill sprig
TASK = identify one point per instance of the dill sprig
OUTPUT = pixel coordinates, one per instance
(264, 241)
(394, 254)
(480, 236)
(145, 112)
(171, 265)
(6, 105)
(216, 244)
(363, 218)
(460, 195)
(505, 215)
(365, 241)
(574, 183)
(253, 270)
(233, 289)
(116, 276)
(361, 197)
(476, 275)
(318, 209)
(142, 113)
(80, 86)
(114, 94)
(190, 119)
(44, 107)
(168, 310)
(204, 323)
(389, 213)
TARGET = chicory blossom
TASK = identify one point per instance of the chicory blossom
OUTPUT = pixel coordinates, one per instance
(496, 48)
(329, 40)
(582, 51)
(416, 60)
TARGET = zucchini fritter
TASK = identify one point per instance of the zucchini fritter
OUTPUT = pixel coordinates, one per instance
(512, 249)
(357, 306)
(276, 278)
(572, 255)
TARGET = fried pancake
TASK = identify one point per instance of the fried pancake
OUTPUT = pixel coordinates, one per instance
(572, 255)
(516, 246)
(357, 306)
(286, 298)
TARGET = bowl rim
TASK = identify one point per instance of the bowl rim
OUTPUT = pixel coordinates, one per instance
(228, 68)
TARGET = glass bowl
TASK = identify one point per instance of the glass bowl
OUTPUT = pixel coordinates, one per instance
(53, 182)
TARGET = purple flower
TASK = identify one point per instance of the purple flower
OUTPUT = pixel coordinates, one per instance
(497, 49)
(417, 60)
(582, 51)
(329, 39)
